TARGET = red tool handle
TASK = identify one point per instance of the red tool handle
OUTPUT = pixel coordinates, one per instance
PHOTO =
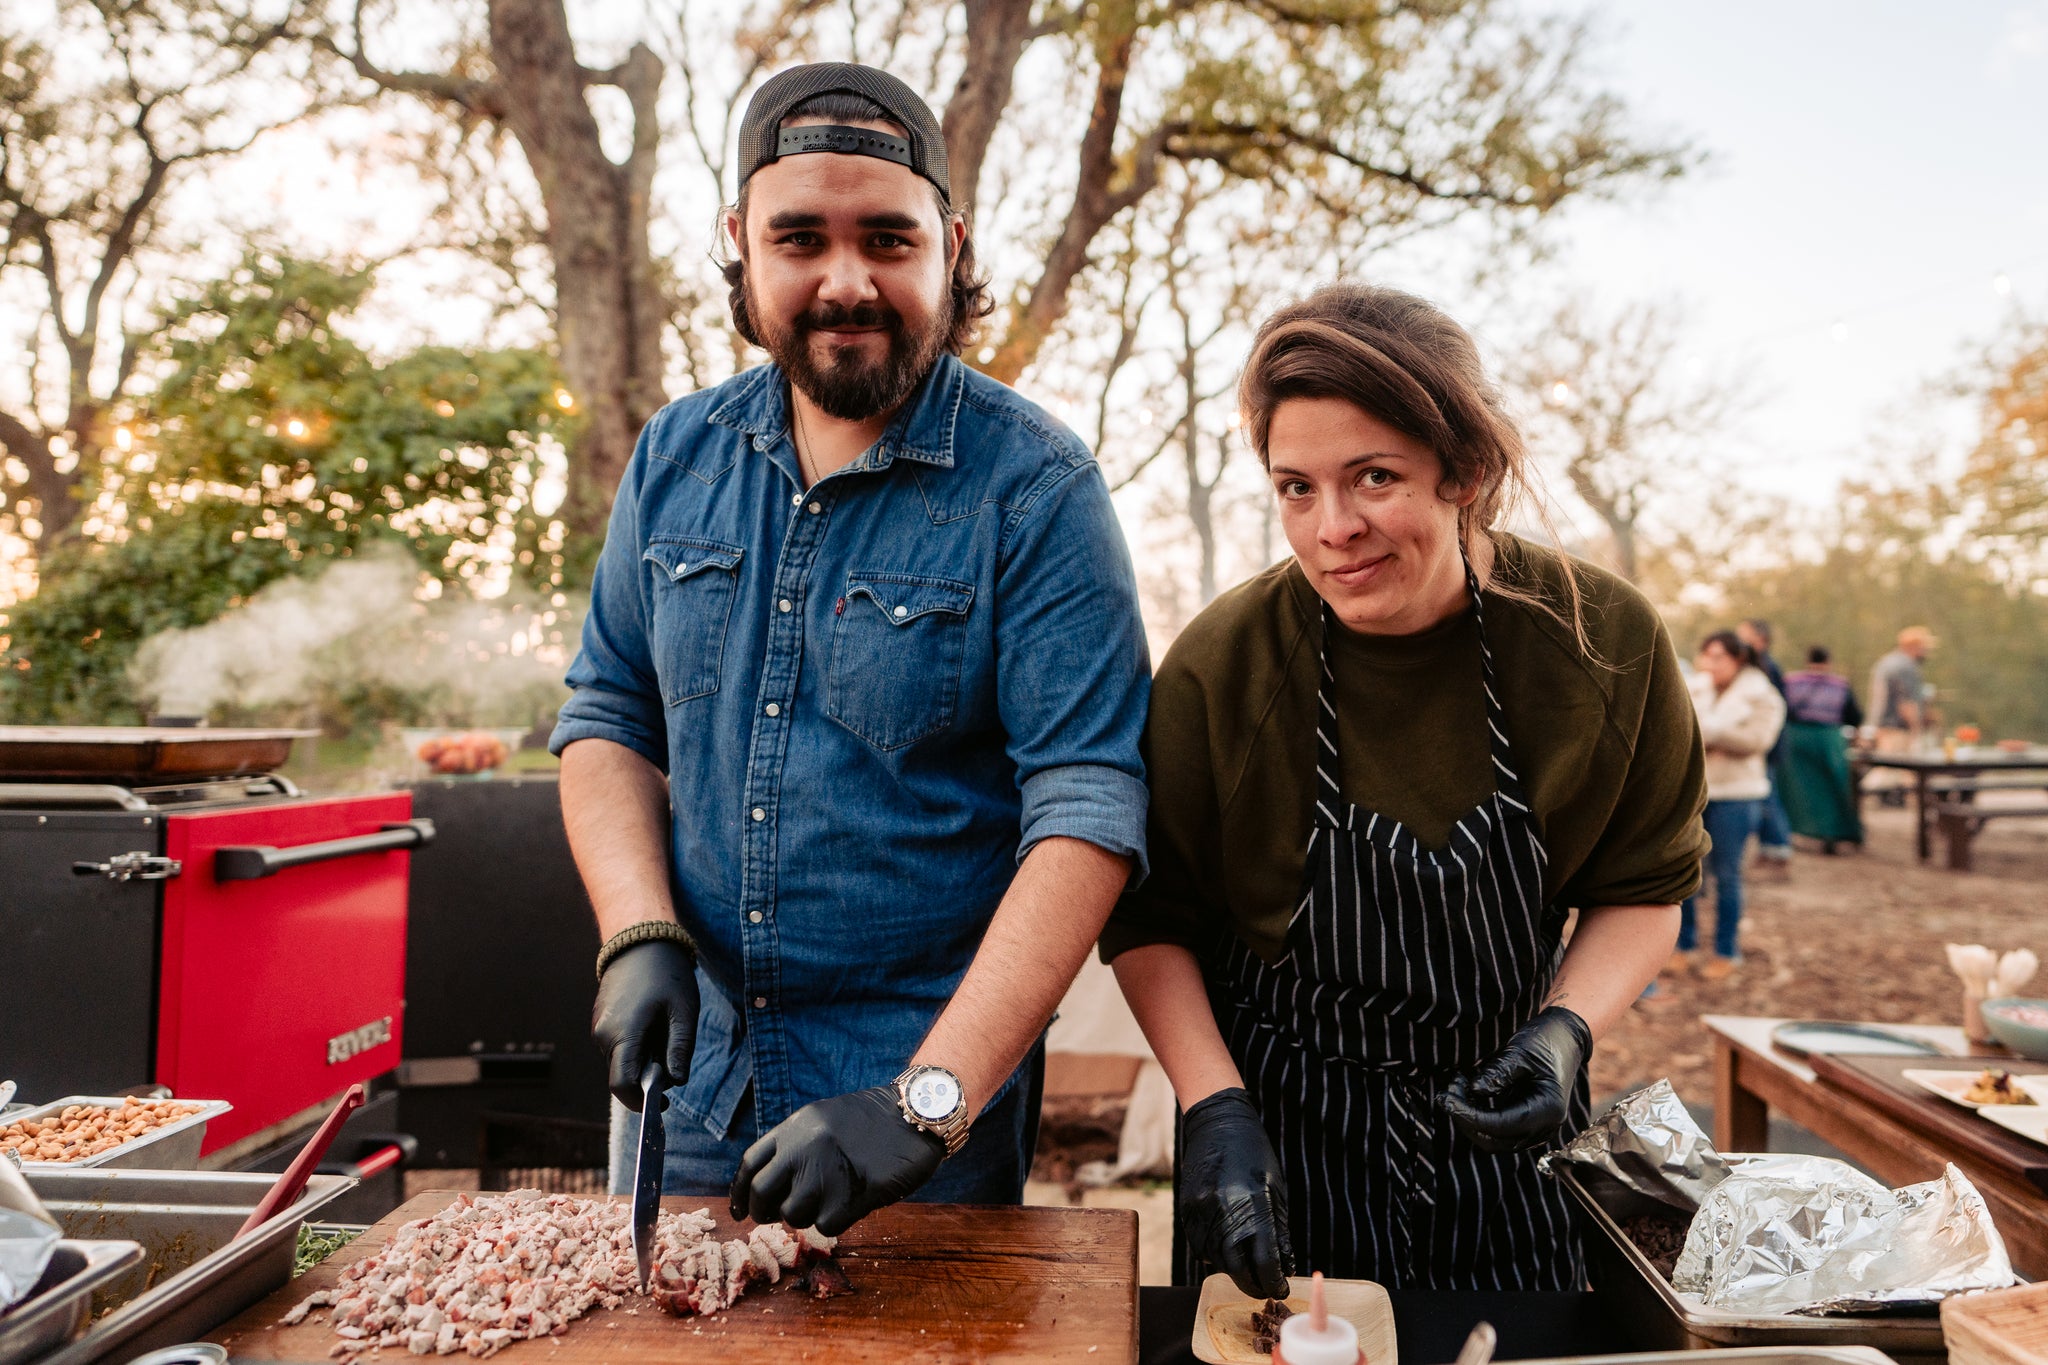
(293, 1181)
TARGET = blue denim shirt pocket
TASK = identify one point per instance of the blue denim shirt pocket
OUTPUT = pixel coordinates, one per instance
(694, 585)
(898, 640)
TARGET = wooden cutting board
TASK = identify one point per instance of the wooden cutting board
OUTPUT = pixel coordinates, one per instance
(933, 1282)
(1881, 1081)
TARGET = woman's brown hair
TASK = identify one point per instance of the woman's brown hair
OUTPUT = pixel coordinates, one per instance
(1403, 360)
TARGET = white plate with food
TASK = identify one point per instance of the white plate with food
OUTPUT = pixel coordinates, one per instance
(1226, 1333)
(1992, 1087)
(2028, 1120)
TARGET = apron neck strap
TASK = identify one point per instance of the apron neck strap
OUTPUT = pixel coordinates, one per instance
(1328, 796)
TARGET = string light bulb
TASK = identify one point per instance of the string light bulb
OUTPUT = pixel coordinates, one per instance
(565, 400)
(1560, 392)
(296, 429)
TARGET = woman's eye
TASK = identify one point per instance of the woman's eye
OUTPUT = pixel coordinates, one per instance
(1294, 488)
(1375, 477)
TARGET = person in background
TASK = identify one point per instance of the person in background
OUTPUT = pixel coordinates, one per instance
(1740, 714)
(1898, 696)
(1820, 800)
(1773, 830)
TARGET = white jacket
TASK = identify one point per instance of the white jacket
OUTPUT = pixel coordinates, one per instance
(1738, 727)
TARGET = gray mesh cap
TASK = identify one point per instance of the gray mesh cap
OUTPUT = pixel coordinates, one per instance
(763, 138)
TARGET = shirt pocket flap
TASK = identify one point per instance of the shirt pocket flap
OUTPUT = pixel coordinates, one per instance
(680, 556)
(905, 597)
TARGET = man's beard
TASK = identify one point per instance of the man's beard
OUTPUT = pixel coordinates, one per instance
(848, 386)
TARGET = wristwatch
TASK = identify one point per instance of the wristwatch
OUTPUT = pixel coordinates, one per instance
(933, 1099)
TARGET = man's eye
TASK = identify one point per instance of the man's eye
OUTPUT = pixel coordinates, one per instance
(889, 241)
(799, 239)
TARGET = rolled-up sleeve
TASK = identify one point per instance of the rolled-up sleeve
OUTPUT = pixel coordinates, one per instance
(1072, 669)
(615, 694)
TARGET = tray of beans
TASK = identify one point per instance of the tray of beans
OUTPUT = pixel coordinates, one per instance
(111, 1130)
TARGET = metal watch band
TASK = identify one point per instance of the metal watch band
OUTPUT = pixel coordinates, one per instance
(951, 1130)
(646, 931)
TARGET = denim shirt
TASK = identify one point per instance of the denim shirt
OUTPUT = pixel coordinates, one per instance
(870, 697)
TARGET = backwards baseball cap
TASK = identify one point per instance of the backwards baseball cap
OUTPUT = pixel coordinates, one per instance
(763, 138)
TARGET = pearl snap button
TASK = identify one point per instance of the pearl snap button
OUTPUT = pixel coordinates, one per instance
(773, 709)
(796, 499)
(760, 1002)
(755, 916)
(760, 814)
(783, 605)
(815, 509)
(903, 611)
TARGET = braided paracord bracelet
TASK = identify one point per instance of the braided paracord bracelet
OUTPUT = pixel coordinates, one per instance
(646, 931)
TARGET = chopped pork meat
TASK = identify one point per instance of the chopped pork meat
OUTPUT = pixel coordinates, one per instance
(492, 1269)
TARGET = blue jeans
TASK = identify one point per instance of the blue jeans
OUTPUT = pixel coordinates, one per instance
(1729, 825)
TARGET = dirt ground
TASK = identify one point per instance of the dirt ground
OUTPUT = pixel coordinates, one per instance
(1857, 936)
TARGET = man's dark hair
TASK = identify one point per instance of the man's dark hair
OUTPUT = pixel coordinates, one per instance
(972, 300)
(1818, 654)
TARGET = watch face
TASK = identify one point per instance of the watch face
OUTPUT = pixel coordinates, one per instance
(933, 1094)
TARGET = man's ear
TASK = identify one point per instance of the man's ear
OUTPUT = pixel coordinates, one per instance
(956, 234)
(735, 232)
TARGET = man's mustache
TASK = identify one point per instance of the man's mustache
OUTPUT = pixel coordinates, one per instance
(860, 316)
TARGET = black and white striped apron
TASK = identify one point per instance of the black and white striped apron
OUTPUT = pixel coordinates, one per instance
(1404, 966)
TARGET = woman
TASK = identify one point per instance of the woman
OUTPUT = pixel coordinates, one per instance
(1467, 734)
(1740, 716)
(1815, 780)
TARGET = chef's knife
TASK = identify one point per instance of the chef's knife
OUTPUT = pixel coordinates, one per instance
(647, 1174)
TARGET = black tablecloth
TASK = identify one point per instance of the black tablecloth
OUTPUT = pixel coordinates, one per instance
(1429, 1325)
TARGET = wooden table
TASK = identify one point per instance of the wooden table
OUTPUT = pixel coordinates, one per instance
(1961, 769)
(933, 1282)
(1752, 1078)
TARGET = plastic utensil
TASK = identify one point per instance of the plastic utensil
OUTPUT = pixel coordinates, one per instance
(1314, 1337)
(293, 1181)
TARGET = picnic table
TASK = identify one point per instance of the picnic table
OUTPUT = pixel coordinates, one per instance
(1946, 787)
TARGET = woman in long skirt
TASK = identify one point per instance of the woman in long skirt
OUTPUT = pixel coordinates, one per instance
(1815, 781)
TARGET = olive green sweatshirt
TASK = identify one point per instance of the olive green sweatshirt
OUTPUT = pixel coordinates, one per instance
(1607, 747)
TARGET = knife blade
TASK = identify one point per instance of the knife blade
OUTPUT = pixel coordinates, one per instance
(647, 1174)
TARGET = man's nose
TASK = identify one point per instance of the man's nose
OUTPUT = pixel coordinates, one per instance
(847, 280)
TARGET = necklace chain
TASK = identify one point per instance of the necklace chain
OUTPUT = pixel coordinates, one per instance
(803, 461)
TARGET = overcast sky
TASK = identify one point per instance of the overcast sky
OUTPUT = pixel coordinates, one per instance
(1875, 168)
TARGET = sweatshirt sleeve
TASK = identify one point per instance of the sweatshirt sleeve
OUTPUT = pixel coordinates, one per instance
(1177, 902)
(1650, 849)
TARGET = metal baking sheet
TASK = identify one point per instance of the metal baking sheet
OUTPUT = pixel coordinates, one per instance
(57, 1309)
(173, 1147)
(1838, 1038)
(197, 1274)
(140, 753)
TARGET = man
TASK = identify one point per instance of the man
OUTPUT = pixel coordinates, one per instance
(851, 765)
(1774, 829)
(1899, 697)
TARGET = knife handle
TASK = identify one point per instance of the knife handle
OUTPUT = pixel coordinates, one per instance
(653, 1088)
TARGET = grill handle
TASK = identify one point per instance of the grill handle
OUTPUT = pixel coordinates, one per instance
(246, 862)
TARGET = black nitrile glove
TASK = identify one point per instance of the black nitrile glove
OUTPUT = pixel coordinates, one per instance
(1522, 1096)
(646, 1011)
(834, 1162)
(1233, 1196)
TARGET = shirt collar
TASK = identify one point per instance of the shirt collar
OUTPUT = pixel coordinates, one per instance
(922, 429)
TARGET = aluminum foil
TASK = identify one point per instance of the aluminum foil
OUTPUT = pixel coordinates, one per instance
(1647, 1141)
(28, 1236)
(1802, 1234)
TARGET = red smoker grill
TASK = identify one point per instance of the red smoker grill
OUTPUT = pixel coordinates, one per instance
(172, 913)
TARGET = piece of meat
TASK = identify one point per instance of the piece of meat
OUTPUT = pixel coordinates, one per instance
(493, 1269)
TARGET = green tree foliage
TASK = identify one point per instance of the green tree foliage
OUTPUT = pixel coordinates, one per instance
(272, 445)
